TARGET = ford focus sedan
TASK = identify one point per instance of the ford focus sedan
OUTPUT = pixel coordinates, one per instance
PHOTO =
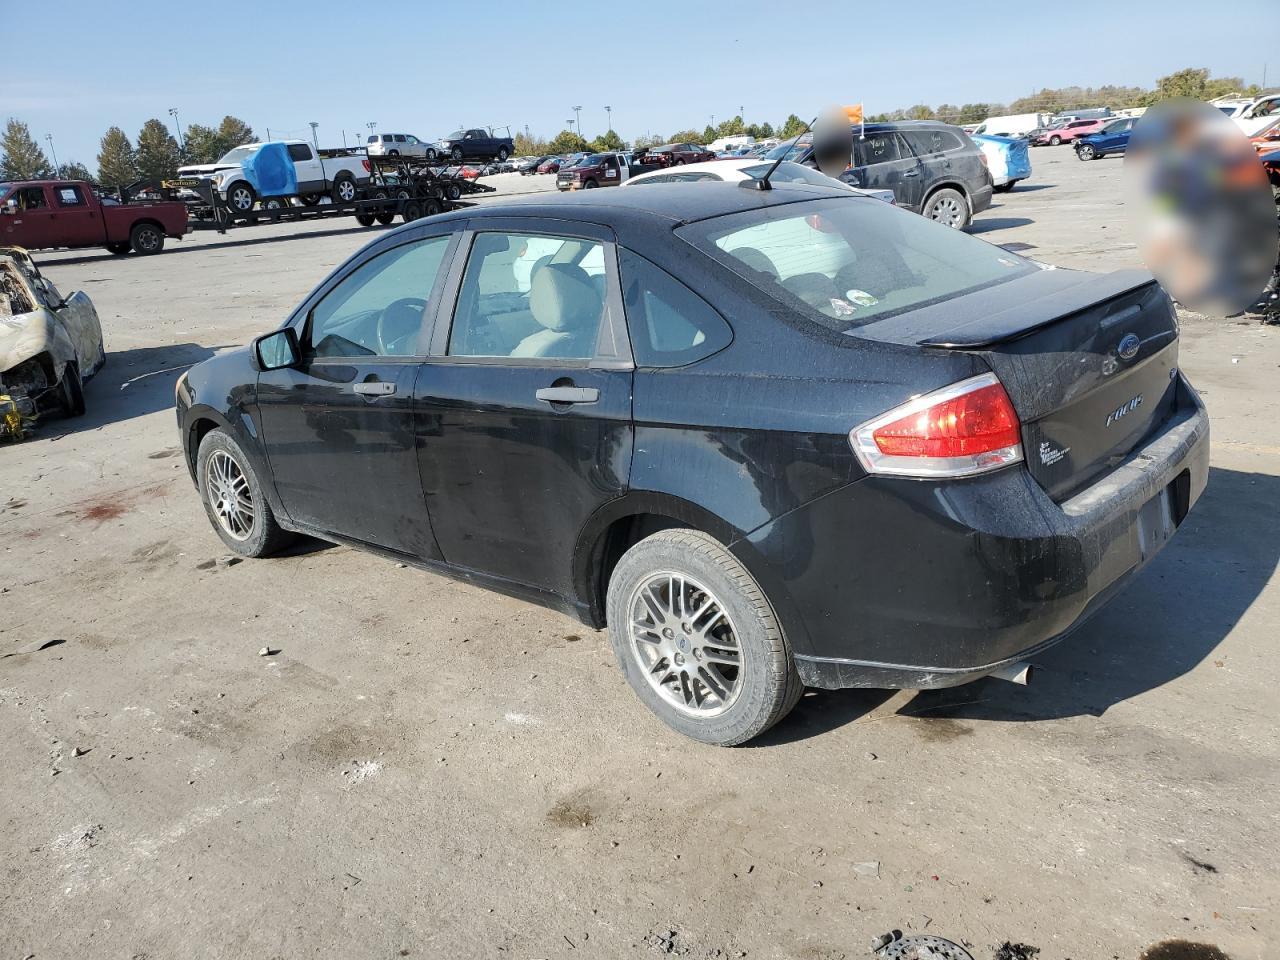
(768, 439)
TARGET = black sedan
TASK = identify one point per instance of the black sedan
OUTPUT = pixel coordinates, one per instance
(768, 439)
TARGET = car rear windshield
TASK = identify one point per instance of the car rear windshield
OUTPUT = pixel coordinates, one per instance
(845, 262)
(789, 172)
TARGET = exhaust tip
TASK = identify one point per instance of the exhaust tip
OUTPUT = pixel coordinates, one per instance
(1019, 673)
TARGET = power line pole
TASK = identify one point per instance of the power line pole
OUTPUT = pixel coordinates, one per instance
(577, 112)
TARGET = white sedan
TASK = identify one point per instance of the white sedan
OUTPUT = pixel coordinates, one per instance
(748, 168)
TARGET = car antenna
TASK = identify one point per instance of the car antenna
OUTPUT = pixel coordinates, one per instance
(763, 183)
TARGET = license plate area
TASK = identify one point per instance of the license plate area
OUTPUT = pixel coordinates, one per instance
(1156, 523)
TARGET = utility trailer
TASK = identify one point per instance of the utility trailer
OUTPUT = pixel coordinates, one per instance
(404, 187)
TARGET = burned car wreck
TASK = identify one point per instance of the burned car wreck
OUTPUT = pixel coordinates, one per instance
(49, 346)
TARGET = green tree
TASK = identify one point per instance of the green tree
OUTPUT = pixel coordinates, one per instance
(921, 111)
(117, 166)
(157, 154)
(732, 127)
(686, 136)
(527, 146)
(20, 156)
(202, 144)
(652, 140)
(708, 134)
(232, 132)
(793, 127)
(76, 171)
(607, 141)
(566, 141)
(973, 113)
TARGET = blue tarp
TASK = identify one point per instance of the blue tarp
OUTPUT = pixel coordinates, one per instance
(269, 170)
(1007, 157)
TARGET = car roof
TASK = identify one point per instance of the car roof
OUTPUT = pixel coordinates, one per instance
(675, 202)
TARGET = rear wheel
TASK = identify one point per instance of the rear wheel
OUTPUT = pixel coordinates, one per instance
(385, 217)
(453, 191)
(456, 154)
(502, 153)
(118, 248)
(948, 207)
(431, 207)
(146, 238)
(411, 210)
(432, 156)
(344, 189)
(393, 153)
(233, 498)
(72, 391)
(275, 203)
(311, 199)
(698, 641)
(365, 219)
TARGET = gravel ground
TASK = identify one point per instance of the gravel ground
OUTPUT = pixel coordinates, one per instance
(425, 769)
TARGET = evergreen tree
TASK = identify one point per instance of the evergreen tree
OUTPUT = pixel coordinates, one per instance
(117, 166)
(76, 171)
(157, 155)
(793, 127)
(232, 132)
(203, 145)
(20, 156)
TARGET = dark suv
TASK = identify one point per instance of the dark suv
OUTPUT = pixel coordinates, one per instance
(932, 168)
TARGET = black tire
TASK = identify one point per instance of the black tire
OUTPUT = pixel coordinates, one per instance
(71, 391)
(432, 156)
(385, 217)
(411, 210)
(241, 197)
(118, 248)
(589, 185)
(766, 686)
(502, 154)
(948, 207)
(1003, 187)
(431, 207)
(1055, 140)
(456, 154)
(1085, 151)
(311, 199)
(365, 219)
(453, 191)
(393, 153)
(264, 536)
(344, 189)
(146, 238)
(275, 203)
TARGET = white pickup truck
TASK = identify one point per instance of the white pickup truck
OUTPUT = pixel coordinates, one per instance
(338, 177)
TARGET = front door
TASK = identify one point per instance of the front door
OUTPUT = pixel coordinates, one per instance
(882, 161)
(524, 409)
(29, 220)
(339, 427)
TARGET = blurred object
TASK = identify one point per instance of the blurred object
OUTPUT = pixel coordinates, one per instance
(17, 414)
(833, 139)
(1203, 210)
(1008, 159)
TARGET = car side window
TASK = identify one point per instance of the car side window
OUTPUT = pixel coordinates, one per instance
(530, 295)
(299, 151)
(877, 148)
(670, 325)
(377, 309)
(70, 196)
(31, 198)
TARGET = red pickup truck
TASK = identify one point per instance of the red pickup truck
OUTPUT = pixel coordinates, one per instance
(38, 214)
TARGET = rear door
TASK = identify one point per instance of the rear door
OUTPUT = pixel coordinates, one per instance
(524, 408)
(79, 219)
(339, 427)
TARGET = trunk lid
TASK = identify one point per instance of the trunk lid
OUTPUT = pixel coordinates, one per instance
(1088, 361)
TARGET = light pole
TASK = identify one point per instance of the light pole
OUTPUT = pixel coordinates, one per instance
(57, 171)
(569, 124)
(609, 111)
(182, 143)
(314, 141)
(577, 112)
(372, 125)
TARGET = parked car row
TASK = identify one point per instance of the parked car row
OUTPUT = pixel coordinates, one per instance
(461, 145)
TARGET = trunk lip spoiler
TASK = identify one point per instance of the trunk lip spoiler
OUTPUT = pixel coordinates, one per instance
(1007, 311)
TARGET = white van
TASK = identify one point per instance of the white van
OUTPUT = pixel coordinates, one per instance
(1015, 125)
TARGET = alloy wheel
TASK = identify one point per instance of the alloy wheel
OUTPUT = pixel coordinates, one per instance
(229, 495)
(685, 644)
(948, 211)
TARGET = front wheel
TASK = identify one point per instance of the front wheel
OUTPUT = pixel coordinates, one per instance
(72, 391)
(233, 498)
(947, 207)
(1086, 152)
(590, 185)
(146, 238)
(241, 197)
(1055, 140)
(697, 640)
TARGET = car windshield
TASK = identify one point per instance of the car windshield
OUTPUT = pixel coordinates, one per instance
(592, 160)
(1112, 127)
(789, 172)
(788, 150)
(238, 154)
(456, 135)
(843, 263)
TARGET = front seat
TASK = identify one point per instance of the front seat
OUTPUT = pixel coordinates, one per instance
(565, 304)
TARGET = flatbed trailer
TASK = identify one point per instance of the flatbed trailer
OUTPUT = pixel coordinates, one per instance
(404, 187)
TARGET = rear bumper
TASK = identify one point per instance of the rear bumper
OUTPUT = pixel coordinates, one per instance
(912, 584)
(981, 197)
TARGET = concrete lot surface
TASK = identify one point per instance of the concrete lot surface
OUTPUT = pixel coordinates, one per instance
(429, 770)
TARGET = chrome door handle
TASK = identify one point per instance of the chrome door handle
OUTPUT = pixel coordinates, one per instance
(912, 173)
(568, 394)
(375, 388)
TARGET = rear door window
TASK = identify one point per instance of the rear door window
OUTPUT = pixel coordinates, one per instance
(670, 325)
(299, 152)
(69, 195)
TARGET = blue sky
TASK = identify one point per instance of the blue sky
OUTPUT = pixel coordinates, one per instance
(426, 68)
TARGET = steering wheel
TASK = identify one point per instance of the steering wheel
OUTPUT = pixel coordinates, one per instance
(398, 323)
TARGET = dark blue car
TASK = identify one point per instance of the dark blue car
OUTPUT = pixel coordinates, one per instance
(1113, 138)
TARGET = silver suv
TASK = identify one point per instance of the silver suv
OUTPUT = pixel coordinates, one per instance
(399, 144)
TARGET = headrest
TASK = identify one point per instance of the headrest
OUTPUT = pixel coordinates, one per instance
(562, 297)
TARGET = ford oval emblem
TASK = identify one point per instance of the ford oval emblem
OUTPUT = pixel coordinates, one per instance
(1128, 348)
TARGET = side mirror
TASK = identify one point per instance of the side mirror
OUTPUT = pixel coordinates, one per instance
(10, 207)
(277, 350)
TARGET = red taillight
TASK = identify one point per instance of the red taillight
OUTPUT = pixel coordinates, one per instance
(970, 427)
(365, 164)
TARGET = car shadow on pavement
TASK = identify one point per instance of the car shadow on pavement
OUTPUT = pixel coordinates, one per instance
(132, 384)
(241, 240)
(1031, 187)
(819, 712)
(996, 223)
(1167, 622)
